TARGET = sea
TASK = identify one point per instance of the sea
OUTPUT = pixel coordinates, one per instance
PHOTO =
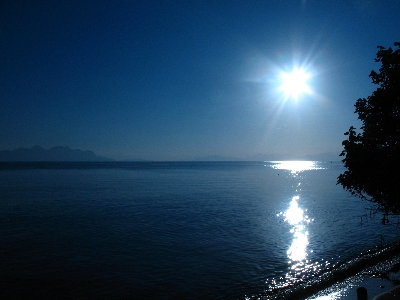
(178, 230)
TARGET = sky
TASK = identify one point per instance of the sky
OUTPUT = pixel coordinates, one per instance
(178, 80)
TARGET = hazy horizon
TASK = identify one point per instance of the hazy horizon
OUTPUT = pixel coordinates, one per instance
(327, 156)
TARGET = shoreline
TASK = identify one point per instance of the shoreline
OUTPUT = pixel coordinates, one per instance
(394, 293)
(347, 289)
(382, 281)
(372, 270)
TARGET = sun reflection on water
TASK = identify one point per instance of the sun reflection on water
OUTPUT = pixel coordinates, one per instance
(301, 267)
(295, 216)
(295, 166)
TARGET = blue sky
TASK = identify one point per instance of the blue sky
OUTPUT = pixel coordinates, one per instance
(171, 80)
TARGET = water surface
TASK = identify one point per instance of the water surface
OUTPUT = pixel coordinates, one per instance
(175, 230)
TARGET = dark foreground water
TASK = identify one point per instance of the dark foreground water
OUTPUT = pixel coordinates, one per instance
(174, 230)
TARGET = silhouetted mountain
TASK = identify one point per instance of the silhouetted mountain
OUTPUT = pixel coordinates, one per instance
(216, 158)
(135, 160)
(327, 156)
(271, 157)
(37, 153)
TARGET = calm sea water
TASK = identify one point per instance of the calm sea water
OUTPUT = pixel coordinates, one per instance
(153, 230)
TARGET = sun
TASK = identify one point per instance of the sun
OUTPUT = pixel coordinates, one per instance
(294, 83)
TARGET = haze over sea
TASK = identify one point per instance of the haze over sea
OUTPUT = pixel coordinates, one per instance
(176, 230)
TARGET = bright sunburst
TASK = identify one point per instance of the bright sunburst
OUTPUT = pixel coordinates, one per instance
(294, 83)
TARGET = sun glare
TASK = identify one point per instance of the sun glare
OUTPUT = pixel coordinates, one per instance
(295, 166)
(295, 216)
(294, 83)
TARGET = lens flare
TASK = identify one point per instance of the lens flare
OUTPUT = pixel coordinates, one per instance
(294, 83)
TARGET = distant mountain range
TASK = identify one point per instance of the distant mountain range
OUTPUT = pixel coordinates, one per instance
(63, 153)
(60, 153)
(327, 156)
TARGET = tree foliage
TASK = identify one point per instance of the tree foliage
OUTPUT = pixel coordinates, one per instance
(372, 157)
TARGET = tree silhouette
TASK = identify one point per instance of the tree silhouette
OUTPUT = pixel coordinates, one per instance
(372, 157)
